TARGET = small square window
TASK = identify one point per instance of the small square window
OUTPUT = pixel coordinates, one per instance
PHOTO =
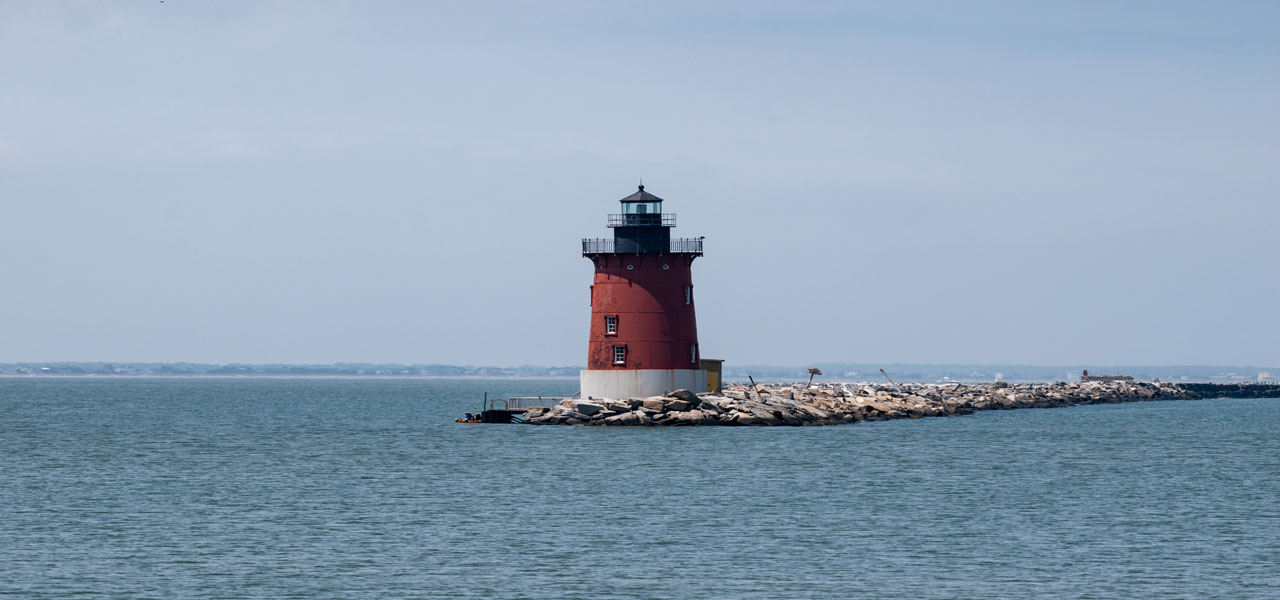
(619, 355)
(610, 325)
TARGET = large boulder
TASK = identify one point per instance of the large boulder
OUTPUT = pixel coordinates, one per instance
(587, 408)
(691, 417)
(814, 412)
(542, 419)
(678, 405)
(618, 406)
(879, 407)
(655, 403)
(684, 395)
(628, 418)
(563, 412)
(761, 413)
(710, 405)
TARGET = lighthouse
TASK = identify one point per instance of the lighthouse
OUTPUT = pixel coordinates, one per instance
(644, 337)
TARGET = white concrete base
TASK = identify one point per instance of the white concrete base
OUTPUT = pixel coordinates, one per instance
(623, 383)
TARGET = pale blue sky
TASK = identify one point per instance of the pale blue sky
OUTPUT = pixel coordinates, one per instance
(981, 182)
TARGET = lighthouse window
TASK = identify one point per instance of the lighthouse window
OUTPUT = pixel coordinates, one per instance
(619, 355)
(693, 353)
(688, 295)
(641, 208)
(611, 324)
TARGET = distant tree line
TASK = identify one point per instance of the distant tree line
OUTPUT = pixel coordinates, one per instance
(926, 373)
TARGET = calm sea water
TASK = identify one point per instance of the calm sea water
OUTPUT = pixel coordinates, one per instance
(298, 488)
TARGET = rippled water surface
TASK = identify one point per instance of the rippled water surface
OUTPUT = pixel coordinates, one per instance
(277, 488)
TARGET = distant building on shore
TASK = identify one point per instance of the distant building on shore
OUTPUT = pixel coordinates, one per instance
(1087, 377)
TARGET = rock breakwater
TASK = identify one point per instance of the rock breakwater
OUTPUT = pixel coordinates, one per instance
(832, 404)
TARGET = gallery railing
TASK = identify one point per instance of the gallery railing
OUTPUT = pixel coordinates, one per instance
(650, 220)
(624, 246)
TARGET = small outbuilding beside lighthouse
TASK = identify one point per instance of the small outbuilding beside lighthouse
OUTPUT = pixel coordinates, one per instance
(644, 335)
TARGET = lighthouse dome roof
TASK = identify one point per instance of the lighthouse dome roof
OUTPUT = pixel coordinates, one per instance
(641, 196)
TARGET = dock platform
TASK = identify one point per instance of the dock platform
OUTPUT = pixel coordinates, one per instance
(511, 410)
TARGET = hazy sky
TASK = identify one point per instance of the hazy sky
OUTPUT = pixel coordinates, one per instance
(971, 182)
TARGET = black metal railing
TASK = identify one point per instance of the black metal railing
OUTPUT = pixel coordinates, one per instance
(675, 246)
(522, 402)
(649, 220)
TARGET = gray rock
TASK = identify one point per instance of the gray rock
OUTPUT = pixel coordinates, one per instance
(628, 418)
(678, 405)
(617, 406)
(587, 408)
(789, 417)
(559, 411)
(761, 413)
(813, 412)
(709, 405)
(689, 416)
(685, 395)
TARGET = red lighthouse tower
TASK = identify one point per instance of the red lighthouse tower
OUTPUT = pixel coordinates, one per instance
(644, 337)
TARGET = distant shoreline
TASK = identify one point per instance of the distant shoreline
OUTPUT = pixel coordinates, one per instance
(830, 372)
(108, 377)
(371, 377)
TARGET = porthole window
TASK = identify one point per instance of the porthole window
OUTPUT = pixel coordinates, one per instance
(630, 267)
(665, 267)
